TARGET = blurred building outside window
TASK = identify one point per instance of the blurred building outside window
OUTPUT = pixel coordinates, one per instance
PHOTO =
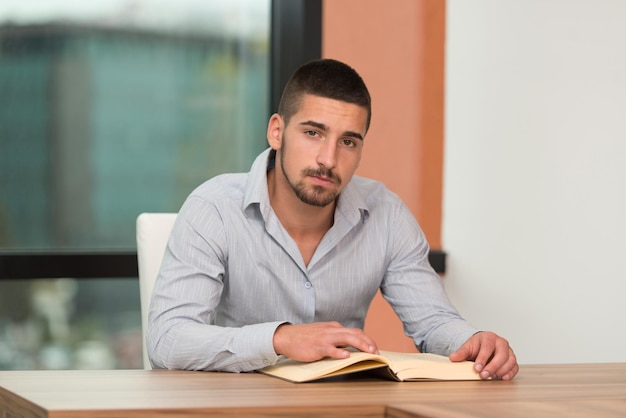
(110, 109)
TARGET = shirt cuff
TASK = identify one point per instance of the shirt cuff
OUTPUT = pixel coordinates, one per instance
(256, 343)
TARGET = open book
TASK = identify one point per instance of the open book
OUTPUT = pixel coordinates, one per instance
(396, 366)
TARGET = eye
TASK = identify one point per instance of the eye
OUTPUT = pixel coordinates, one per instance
(311, 133)
(348, 142)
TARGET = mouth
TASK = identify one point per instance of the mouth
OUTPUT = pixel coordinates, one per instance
(323, 179)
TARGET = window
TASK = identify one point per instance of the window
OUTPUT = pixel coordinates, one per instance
(121, 107)
(112, 108)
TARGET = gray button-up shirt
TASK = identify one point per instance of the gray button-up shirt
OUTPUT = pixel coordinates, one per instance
(231, 274)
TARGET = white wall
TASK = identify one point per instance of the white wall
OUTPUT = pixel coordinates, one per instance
(534, 218)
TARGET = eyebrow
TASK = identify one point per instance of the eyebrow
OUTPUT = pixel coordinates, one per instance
(323, 127)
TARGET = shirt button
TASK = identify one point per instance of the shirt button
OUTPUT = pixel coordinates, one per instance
(308, 285)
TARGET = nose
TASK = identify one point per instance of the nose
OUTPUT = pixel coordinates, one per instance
(327, 155)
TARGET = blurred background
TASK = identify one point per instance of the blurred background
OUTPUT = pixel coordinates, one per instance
(109, 109)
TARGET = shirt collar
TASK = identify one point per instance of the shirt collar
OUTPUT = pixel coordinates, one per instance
(352, 203)
(256, 187)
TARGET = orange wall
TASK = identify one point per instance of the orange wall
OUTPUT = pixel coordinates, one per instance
(398, 48)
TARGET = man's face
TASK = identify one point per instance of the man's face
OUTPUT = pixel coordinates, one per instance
(320, 148)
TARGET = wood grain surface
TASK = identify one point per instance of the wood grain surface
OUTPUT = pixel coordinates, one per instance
(163, 393)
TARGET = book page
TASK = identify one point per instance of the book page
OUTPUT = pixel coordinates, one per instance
(296, 371)
(417, 366)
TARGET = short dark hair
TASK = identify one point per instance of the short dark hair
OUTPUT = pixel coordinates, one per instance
(325, 78)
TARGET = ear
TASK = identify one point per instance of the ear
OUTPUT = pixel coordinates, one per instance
(275, 128)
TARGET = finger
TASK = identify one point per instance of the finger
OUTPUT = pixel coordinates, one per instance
(510, 375)
(366, 343)
(484, 358)
(337, 352)
(356, 338)
(463, 353)
(509, 369)
(500, 356)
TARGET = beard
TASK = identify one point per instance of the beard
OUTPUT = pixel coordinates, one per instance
(312, 195)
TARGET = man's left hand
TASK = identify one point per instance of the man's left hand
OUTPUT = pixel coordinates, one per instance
(492, 356)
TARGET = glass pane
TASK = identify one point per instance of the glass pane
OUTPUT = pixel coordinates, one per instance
(113, 108)
(109, 109)
(70, 324)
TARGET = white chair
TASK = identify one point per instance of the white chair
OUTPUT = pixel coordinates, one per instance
(153, 231)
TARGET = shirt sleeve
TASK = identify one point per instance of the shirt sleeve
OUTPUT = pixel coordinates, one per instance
(181, 332)
(416, 292)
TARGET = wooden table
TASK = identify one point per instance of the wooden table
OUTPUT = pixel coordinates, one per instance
(544, 390)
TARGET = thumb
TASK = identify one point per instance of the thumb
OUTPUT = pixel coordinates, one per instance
(463, 353)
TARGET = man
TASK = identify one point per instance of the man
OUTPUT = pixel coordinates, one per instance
(285, 259)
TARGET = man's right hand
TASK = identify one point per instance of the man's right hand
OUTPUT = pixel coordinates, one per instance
(310, 342)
